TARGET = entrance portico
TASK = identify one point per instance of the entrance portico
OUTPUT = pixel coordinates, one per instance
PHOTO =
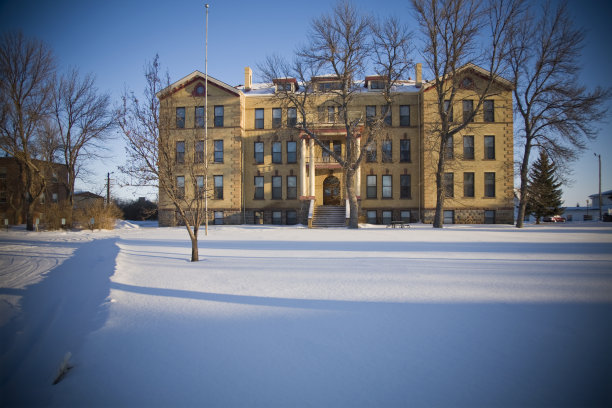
(322, 177)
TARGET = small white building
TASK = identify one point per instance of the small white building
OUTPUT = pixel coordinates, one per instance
(591, 211)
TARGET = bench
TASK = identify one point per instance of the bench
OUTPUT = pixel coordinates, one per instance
(398, 224)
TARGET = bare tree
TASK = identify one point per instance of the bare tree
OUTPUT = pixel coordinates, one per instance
(83, 119)
(457, 33)
(556, 113)
(26, 71)
(152, 155)
(344, 44)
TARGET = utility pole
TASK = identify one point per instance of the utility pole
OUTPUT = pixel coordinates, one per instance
(108, 188)
(206, 127)
(600, 203)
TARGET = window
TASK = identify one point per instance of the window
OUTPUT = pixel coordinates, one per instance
(449, 149)
(387, 217)
(277, 152)
(449, 184)
(468, 184)
(489, 147)
(329, 86)
(405, 215)
(291, 187)
(291, 217)
(277, 187)
(199, 117)
(371, 187)
(199, 152)
(200, 186)
(284, 86)
(405, 186)
(219, 116)
(449, 110)
(180, 152)
(218, 193)
(259, 152)
(199, 90)
(468, 108)
(449, 217)
(405, 150)
(488, 110)
(387, 151)
(291, 152)
(291, 117)
(277, 119)
(468, 147)
(370, 114)
(218, 144)
(387, 186)
(489, 184)
(218, 217)
(371, 153)
(324, 153)
(180, 117)
(331, 114)
(338, 147)
(180, 186)
(385, 111)
(371, 214)
(377, 84)
(54, 198)
(259, 118)
(404, 115)
(277, 217)
(489, 217)
(259, 188)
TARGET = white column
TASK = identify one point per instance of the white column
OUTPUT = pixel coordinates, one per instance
(358, 171)
(303, 168)
(312, 169)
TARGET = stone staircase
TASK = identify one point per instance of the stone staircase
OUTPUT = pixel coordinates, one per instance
(329, 216)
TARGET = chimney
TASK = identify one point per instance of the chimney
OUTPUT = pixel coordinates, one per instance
(248, 78)
(418, 79)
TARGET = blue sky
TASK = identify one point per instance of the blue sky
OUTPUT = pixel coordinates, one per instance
(113, 39)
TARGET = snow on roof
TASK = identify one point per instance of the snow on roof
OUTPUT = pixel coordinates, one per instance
(603, 193)
(266, 88)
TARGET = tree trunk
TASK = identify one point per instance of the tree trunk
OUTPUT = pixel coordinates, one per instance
(523, 189)
(438, 221)
(29, 215)
(440, 193)
(352, 197)
(194, 249)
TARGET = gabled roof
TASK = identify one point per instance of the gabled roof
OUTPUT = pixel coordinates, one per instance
(194, 77)
(478, 71)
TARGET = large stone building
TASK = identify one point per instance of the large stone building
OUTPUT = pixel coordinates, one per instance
(12, 207)
(265, 170)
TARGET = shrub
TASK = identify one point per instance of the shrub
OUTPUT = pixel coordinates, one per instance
(104, 216)
(54, 213)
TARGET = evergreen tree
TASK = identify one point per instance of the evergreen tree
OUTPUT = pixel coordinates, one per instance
(543, 191)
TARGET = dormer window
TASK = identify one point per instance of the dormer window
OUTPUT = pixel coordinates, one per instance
(285, 84)
(284, 87)
(328, 86)
(375, 82)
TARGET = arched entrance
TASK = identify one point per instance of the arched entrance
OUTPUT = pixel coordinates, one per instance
(331, 191)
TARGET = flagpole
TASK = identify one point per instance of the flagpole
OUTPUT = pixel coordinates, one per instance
(206, 128)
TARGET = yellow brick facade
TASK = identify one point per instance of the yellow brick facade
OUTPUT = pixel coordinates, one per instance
(264, 181)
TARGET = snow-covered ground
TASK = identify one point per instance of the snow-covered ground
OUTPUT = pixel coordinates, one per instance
(291, 317)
